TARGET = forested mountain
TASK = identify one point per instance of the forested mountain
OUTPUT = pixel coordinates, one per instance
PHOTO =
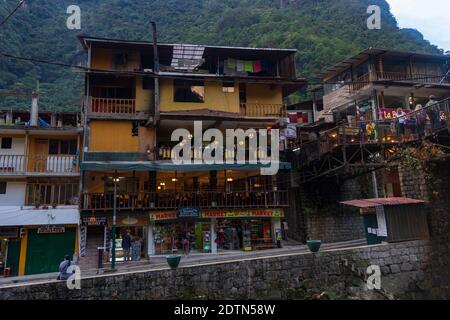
(323, 31)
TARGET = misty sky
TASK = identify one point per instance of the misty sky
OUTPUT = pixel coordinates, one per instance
(430, 17)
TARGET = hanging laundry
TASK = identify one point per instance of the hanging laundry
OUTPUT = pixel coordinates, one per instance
(231, 64)
(240, 66)
(257, 66)
(248, 66)
(265, 65)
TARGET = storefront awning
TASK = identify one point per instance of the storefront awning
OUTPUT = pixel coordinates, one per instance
(16, 216)
(167, 166)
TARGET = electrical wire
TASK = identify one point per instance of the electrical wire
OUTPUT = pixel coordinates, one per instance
(12, 12)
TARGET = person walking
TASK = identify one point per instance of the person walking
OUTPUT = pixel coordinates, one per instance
(401, 116)
(285, 228)
(63, 267)
(126, 246)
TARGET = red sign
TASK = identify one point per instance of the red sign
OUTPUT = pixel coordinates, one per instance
(158, 216)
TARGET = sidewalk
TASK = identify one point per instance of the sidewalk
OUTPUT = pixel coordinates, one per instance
(159, 262)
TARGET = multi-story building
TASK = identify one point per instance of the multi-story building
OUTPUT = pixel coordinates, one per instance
(375, 83)
(134, 104)
(39, 189)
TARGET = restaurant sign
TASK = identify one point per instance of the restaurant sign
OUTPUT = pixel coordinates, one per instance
(256, 213)
(94, 221)
(9, 232)
(188, 213)
(51, 230)
(160, 216)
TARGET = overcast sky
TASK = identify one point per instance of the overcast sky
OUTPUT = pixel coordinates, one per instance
(430, 17)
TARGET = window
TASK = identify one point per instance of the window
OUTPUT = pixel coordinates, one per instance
(6, 143)
(228, 87)
(62, 147)
(189, 91)
(148, 84)
(3, 187)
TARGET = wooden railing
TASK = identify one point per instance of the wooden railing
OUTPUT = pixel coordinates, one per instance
(112, 106)
(263, 110)
(360, 83)
(411, 127)
(416, 77)
(174, 200)
(39, 164)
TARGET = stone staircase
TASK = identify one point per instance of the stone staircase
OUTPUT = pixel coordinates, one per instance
(90, 259)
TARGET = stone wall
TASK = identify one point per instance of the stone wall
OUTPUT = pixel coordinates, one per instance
(404, 267)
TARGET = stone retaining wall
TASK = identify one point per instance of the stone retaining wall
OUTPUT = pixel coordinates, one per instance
(404, 268)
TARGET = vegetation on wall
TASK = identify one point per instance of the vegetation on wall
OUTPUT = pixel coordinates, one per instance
(323, 31)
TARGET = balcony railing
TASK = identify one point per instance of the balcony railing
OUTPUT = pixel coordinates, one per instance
(174, 200)
(113, 106)
(263, 110)
(39, 164)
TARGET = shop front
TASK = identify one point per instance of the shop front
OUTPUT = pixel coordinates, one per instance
(133, 227)
(210, 231)
(9, 251)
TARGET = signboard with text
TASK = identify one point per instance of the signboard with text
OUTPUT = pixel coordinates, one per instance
(95, 221)
(51, 230)
(256, 213)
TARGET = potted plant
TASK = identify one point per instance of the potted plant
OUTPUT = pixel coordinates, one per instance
(173, 260)
(314, 245)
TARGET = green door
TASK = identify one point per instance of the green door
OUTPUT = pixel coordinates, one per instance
(13, 257)
(46, 251)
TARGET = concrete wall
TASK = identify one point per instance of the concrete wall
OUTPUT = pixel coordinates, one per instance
(404, 268)
(17, 149)
(15, 194)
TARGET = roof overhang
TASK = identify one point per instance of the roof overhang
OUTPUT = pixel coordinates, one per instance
(373, 203)
(17, 216)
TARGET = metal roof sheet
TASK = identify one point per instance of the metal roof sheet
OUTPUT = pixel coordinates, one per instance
(371, 203)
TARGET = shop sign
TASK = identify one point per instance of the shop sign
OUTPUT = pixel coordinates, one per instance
(159, 216)
(188, 213)
(387, 113)
(9, 232)
(257, 213)
(51, 230)
(94, 221)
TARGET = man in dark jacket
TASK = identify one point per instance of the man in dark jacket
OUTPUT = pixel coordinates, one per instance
(126, 245)
(432, 111)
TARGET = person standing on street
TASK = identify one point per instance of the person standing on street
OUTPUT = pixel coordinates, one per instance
(63, 267)
(126, 246)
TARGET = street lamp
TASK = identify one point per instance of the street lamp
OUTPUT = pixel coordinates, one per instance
(113, 253)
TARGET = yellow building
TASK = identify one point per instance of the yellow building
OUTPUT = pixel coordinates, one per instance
(132, 111)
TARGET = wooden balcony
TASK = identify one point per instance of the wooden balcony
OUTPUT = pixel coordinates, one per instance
(259, 110)
(108, 106)
(172, 200)
(47, 165)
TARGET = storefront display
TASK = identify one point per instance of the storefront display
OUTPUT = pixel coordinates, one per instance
(183, 232)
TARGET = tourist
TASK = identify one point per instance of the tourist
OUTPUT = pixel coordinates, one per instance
(126, 246)
(63, 267)
(432, 110)
(370, 131)
(187, 243)
(401, 116)
(284, 229)
(362, 128)
(421, 120)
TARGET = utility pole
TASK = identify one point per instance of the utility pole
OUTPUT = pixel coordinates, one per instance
(34, 115)
(113, 252)
(156, 73)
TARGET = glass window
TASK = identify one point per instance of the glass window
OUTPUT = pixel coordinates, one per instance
(189, 91)
(228, 87)
(3, 185)
(6, 143)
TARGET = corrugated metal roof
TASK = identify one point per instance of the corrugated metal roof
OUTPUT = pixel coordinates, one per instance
(371, 203)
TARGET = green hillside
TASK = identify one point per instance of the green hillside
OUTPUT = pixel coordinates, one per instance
(323, 31)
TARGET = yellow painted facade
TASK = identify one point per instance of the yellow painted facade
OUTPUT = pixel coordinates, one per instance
(23, 253)
(264, 94)
(101, 59)
(110, 135)
(144, 98)
(215, 98)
